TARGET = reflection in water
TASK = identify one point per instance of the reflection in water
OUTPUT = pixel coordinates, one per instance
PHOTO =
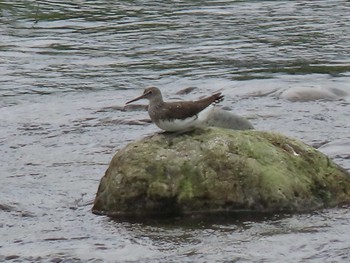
(66, 70)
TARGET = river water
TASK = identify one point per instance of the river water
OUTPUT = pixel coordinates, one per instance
(68, 67)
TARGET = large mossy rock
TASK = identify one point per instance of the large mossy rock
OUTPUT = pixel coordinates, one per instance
(216, 170)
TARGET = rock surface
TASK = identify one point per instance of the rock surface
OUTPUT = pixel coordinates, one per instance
(219, 170)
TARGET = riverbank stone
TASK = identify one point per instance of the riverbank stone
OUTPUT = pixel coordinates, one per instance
(217, 170)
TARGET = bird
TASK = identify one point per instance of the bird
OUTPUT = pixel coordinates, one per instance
(178, 116)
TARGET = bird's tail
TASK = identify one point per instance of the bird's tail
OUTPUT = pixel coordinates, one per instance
(217, 98)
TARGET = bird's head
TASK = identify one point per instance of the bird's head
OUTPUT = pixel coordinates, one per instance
(152, 94)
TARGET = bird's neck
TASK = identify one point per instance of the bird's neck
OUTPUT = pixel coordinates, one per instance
(156, 102)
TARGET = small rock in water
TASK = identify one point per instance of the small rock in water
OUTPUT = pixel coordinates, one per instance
(186, 91)
(303, 94)
(336, 148)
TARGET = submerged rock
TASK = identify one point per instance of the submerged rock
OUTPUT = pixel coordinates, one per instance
(304, 94)
(219, 170)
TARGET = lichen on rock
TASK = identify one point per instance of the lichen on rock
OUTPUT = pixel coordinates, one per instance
(219, 170)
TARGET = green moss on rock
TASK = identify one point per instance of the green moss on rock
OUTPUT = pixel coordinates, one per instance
(215, 170)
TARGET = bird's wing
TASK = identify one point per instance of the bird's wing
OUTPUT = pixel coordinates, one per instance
(187, 109)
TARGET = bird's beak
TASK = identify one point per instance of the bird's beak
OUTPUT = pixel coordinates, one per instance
(138, 98)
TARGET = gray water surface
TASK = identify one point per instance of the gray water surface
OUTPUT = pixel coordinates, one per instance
(68, 67)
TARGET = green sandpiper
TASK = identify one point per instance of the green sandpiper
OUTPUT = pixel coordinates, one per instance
(178, 116)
